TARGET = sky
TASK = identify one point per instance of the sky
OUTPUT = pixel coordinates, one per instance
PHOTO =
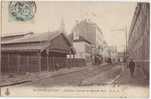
(109, 16)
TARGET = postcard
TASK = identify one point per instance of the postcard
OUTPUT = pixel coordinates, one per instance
(74, 48)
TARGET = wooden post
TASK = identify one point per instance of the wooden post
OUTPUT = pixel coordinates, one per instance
(18, 62)
(71, 61)
(8, 64)
(39, 61)
(48, 62)
(65, 62)
(28, 67)
(73, 58)
(47, 58)
(53, 65)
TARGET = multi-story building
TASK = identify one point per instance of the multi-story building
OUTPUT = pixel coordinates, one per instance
(138, 43)
(89, 30)
(87, 39)
(82, 47)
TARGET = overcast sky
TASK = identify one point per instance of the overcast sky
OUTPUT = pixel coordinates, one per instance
(108, 15)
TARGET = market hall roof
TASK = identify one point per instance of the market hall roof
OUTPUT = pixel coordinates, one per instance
(36, 41)
(36, 37)
(5, 35)
(11, 36)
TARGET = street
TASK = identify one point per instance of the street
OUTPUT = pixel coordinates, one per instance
(74, 78)
(111, 78)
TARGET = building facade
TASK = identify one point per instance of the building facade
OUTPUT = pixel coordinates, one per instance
(90, 39)
(82, 47)
(90, 31)
(138, 43)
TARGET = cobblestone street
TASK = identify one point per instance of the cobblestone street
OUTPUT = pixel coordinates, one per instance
(109, 78)
(108, 74)
(80, 78)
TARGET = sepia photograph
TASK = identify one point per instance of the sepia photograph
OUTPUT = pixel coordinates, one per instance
(74, 48)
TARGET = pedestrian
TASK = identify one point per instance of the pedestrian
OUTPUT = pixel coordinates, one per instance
(131, 67)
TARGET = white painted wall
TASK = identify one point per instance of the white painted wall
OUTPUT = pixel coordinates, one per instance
(80, 48)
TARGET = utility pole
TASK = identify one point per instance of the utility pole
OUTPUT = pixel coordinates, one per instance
(125, 31)
(126, 42)
(125, 52)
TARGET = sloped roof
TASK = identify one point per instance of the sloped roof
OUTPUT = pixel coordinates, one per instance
(4, 35)
(37, 37)
(40, 38)
(82, 39)
(36, 47)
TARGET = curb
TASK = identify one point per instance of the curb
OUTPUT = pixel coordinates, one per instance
(15, 83)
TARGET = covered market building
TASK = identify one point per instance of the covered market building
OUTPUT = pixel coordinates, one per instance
(35, 53)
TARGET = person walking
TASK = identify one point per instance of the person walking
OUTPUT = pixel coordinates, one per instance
(131, 67)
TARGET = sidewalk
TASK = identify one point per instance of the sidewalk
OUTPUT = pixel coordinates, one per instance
(138, 79)
(133, 87)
